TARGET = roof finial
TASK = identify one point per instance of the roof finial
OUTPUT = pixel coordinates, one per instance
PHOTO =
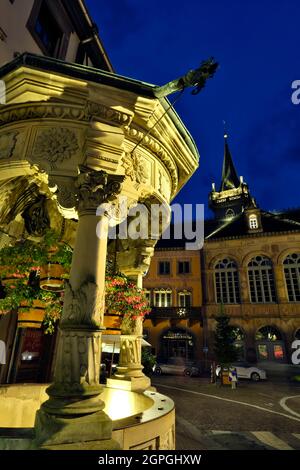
(225, 130)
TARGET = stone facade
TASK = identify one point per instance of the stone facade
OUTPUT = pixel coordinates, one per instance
(250, 317)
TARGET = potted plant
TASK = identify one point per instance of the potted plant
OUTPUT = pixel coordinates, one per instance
(126, 306)
(56, 267)
(20, 272)
(50, 256)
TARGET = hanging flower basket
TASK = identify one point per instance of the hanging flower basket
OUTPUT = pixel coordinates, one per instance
(52, 277)
(10, 278)
(54, 273)
(126, 306)
(31, 314)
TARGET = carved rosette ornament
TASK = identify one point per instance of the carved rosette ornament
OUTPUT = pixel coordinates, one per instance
(55, 146)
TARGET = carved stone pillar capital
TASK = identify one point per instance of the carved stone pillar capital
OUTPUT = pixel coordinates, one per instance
(94, 188)
(135, 258)
(129, 374)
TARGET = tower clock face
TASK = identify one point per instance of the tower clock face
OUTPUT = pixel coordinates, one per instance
(229, 213)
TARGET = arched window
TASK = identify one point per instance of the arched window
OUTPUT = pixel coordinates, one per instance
(253, 222)
(227, 282)
(148, 295)
(270, 344)
(184, 299)
(261, 280)
(163, 298)
(268, 333)
(292, 276)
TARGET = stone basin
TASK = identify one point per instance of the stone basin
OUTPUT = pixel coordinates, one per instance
(144, 421)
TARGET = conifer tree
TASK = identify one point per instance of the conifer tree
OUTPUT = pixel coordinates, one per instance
(225, 351)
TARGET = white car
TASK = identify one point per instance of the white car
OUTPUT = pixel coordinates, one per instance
(246, 371)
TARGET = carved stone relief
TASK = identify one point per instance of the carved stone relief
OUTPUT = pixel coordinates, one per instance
(55, 146)
(164, 186)
(36, 217)
(82, 306)
(137, 168)
(167, 441)
(8, 143)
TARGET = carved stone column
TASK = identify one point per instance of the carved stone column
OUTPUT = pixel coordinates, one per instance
(74, 411)
(130, 374)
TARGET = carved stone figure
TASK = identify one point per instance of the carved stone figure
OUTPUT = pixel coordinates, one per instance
(194, 78)
(36, 217)
(136, 168)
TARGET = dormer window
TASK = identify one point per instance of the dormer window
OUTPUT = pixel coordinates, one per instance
(253, 222)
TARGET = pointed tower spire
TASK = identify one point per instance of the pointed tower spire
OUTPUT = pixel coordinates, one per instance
(230, 178)
(233, 196)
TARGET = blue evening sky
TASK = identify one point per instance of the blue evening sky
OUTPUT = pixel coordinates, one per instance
(257, 45)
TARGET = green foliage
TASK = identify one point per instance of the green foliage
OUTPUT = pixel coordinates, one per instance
(225, 336)
(124, 298)
(20, 259)
(20, 264)
(148, 360)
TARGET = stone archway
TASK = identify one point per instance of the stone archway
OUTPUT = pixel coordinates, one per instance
(270, 344)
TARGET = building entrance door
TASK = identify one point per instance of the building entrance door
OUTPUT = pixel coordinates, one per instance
(177, 344)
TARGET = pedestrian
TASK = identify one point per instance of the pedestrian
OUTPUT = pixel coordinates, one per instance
(233, 378)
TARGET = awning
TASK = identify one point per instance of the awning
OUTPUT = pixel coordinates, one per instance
(111, 343)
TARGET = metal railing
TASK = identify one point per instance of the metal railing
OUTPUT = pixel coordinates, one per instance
(176, 312)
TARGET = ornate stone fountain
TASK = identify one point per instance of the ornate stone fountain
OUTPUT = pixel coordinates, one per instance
(81, 137)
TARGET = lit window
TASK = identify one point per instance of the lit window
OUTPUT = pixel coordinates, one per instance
(261, 280)
(163, 298)
(292, 276)
(253, 222)
(184, 299)
(227, 282)
(148, 295)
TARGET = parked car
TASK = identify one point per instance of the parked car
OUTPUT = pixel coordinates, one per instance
(176, 367)
(247, 371)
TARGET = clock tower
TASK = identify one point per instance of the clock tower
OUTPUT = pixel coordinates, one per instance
(233, 196)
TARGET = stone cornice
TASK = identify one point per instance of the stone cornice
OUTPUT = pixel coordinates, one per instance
(61, 110)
